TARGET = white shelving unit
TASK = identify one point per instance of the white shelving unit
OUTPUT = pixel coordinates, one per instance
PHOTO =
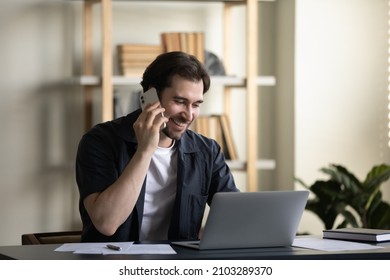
(251, 82)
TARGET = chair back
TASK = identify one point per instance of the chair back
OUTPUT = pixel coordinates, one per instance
(59, 237)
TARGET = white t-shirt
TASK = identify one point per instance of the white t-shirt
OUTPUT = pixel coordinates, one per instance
(160, 194)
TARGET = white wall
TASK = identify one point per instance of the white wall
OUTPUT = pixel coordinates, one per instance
(39, 119)
(340, 100)
(340, 88)
(42, 118)
(284, 94)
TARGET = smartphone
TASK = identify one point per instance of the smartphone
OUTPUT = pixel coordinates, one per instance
(148, 97)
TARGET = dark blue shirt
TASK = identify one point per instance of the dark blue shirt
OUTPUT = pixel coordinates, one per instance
(107, 148)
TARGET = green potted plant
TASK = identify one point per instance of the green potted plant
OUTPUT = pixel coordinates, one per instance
(357, 203)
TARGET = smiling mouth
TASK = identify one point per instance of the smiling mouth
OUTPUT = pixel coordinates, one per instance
(179, 123)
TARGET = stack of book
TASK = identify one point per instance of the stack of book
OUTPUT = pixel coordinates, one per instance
(134, 58)
(217, 127)
(358, 234)
(189, 42)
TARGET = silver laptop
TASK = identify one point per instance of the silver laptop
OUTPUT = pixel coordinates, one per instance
(251, 219)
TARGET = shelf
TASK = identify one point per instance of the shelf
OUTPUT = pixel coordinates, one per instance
(251, 82)
(261, 164)
(228, 81)
(220, 1)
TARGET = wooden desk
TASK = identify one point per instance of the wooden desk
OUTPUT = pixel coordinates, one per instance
(46, 252)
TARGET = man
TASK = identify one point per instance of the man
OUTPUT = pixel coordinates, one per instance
(138, 181)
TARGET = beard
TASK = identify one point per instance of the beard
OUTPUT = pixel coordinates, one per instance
(175, 135)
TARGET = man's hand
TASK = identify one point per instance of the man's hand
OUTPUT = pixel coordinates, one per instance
(148, 126)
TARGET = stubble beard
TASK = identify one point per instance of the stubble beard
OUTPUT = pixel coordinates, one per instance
(173, 135)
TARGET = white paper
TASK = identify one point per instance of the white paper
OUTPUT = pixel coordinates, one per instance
(317, 243)
(155, 249)
(127, 248)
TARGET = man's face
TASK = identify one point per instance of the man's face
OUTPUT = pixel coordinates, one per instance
(182, 105)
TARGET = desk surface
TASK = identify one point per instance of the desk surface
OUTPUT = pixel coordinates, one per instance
(46, 252)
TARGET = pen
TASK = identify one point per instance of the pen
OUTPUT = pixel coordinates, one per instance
(114, 247)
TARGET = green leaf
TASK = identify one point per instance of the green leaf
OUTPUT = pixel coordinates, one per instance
(325, 213)
(345, 178)
(343, 224)
(326, 190)
(376, 177)
(376, 200)
(344, 196)
(380, 217)
(349, 218)
(302, 183)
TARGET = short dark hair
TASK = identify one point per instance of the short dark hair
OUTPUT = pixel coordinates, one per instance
(160, 72)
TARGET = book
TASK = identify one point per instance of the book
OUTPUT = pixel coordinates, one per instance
(140, 48)
(199, 48)
(217, 127)
(189, 42)
(358, 234)
(228, 137)
(170, 41)
(134, 58)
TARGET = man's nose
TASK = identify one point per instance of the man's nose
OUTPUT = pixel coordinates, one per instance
(189, 111)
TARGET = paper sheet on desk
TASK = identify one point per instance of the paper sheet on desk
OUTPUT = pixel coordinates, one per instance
(127, 248)
(331, 244)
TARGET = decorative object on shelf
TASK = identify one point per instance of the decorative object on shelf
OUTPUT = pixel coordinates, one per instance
(358, 203)
(214, 65)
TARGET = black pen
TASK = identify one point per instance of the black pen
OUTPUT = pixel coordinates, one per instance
(114, 247)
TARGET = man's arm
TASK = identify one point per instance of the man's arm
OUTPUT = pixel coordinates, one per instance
(110, 209)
